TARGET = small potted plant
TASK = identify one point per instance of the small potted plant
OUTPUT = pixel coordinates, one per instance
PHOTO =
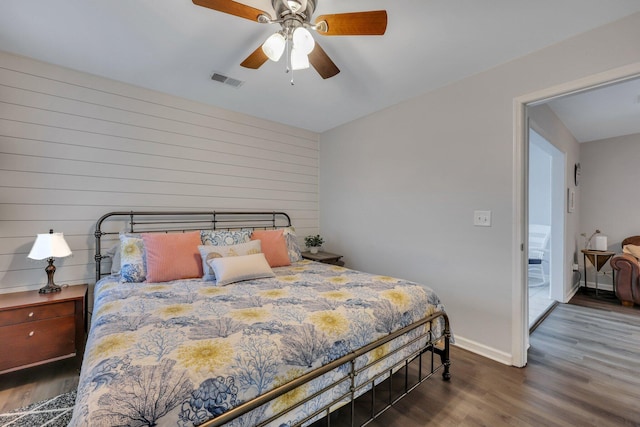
(313, 243)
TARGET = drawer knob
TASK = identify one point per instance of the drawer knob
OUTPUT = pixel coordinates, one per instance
(31, 333)
(31, 314)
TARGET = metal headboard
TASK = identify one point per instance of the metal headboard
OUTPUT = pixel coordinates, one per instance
(181, 221)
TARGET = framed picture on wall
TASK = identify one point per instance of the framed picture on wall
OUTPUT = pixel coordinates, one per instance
(571, 200)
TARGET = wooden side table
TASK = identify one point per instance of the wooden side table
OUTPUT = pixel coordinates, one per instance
(40, 328)
(324, 257)
(598, 259)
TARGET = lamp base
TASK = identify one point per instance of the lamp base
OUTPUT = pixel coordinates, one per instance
(50, 287)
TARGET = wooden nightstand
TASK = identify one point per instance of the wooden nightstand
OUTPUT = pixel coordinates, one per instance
(40, 328)
(325, 257)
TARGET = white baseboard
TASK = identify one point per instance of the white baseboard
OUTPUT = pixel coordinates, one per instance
(572, 292)
(483, 350)
(601, 286)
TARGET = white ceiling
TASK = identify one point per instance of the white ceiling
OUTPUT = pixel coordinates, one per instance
(601, 113)
(174, 46)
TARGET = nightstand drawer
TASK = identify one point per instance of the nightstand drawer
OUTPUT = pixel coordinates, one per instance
(37, 341)
(35, 313)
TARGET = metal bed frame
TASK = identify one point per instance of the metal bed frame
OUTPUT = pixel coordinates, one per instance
(181, 221)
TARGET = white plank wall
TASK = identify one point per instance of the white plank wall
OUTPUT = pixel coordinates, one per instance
(74, 146)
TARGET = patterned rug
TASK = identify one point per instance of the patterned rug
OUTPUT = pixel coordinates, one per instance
(54, 412)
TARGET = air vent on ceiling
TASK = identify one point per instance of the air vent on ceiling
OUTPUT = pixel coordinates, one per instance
(226, 80)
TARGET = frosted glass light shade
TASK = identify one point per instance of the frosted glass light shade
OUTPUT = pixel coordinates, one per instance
(303, 40)
(299, 60)
(273, 47)
(50, 245)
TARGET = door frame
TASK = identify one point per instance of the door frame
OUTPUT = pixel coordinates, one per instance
(519, 302)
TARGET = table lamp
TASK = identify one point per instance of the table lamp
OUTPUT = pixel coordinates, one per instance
(588, 244)
(49, 246)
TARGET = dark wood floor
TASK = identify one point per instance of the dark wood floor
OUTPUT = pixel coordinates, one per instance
(605, 300)
(21, 388)
(584, 370)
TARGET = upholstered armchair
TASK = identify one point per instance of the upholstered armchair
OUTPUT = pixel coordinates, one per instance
(627, 268)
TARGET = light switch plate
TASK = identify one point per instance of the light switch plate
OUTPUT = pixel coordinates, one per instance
(482, 218)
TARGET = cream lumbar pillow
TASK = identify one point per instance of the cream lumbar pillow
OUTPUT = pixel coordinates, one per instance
(632, 250)
(208, 252)
(238, 268)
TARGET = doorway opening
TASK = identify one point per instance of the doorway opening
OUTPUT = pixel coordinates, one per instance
(520, 306)
(546, 226)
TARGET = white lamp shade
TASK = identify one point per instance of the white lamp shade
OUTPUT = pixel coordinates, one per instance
(273, 47)
(299, 60)
(600, 243)
(303, 40)
(50, 245)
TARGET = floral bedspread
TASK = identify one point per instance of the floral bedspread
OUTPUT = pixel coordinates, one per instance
(183, 352)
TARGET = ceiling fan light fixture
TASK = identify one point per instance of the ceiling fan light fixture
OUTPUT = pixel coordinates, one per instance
(274, 46)
(299, 59)
(297, 16)
(303, 40)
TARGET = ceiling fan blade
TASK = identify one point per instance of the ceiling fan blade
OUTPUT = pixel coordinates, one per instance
(322, 63)
(372, 23)
(232, 8)
(256, 59)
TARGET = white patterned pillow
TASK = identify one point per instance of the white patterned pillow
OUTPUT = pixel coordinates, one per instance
(293, 248)
(132, 259)
(113, 253)
(224, 237)
(208, 252)
(238, 268)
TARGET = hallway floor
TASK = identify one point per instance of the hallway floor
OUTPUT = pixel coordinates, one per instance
(539, 301)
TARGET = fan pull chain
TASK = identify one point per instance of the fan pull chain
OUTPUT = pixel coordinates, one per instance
(289, 67)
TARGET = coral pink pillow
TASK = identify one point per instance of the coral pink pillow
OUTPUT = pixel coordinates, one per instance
(172, 256)
(274, 246)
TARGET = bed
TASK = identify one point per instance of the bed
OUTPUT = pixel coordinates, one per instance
(287, 348)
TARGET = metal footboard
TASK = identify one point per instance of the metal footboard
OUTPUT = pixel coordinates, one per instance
(432, 349)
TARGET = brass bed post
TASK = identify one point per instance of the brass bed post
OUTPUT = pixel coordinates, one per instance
(98, 250)
(352, 390)
(446, 360)
(98, 255)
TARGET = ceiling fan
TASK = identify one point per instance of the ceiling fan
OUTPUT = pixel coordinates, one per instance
(294, 17)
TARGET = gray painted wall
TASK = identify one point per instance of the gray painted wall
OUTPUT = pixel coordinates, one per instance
(609, 190)
(398, 188)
